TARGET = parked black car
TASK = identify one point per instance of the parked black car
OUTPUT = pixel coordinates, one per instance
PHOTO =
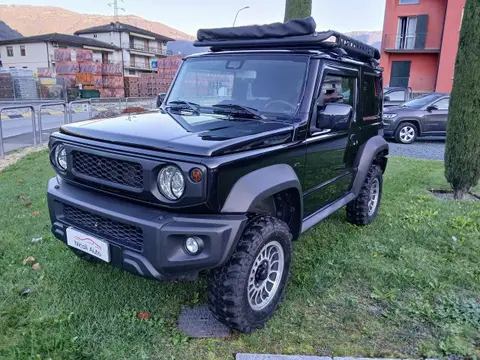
(256, 142)
(394, 96)
(425, 116)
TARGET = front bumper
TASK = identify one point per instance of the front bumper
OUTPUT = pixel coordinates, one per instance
(143, 240)
(389, 128)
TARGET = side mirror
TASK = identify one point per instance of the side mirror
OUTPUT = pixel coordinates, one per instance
(432, 107)
(160, 99)
(334, 117)
(386, 98)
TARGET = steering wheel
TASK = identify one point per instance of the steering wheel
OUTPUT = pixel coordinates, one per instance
(281, 102)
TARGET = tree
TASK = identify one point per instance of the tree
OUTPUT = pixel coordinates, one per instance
(462, 153)
(295, 9)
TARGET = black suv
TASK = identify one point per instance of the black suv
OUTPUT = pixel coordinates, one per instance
(257, 141)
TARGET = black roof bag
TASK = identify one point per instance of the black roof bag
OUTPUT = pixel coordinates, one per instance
(295, 27)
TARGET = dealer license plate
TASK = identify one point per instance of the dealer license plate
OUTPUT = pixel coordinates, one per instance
(88, 243)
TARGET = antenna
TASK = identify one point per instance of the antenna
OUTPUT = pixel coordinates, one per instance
(116, 8)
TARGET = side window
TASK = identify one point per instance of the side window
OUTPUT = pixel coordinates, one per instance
(335, 104)
(338, 89)
(396, 95)
(371, 96)
(443, 104)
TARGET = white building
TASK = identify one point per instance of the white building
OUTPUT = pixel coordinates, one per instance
(35, 52)
(140, 48)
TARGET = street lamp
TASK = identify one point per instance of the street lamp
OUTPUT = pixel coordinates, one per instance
(235, 20)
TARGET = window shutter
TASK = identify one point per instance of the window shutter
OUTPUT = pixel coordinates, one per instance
(421, 33)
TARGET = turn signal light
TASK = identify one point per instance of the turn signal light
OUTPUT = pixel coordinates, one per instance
(196, 175)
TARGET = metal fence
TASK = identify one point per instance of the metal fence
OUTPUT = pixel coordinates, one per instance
(30, 123)
(28, 88)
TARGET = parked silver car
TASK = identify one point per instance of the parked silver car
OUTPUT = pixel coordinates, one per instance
(424, 116)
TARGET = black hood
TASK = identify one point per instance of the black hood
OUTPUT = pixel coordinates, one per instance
(203, 135)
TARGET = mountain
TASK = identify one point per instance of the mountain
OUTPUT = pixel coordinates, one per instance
(373, 38)
(7, 33)
(36, 20)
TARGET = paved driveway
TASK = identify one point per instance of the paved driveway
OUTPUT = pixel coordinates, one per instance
(432, 148)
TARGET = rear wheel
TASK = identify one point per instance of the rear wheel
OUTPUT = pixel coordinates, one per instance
(244, 293)
(406, 133)
(364, 209)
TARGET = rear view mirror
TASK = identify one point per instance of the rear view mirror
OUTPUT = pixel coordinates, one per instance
(334, 117)
(386, 98)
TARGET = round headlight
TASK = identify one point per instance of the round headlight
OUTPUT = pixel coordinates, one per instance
(61, 157)
(171, 182)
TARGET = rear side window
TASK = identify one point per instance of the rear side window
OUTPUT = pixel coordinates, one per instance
(371, 95)
(396, 95)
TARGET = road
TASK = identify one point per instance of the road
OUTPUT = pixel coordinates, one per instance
(17, 133)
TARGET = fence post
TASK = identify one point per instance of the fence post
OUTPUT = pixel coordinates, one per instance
(40, 126)
(2, 155)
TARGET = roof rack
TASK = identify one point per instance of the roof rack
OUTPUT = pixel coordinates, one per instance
(296, 34)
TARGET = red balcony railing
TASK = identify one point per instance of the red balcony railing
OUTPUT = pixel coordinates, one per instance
(429, 42)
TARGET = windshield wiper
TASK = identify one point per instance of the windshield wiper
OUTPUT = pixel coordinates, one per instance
(182, 105)
(244, 109)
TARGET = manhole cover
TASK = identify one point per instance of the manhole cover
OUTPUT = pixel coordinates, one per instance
(200, 323)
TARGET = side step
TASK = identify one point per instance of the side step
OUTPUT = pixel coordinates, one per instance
(326, 211)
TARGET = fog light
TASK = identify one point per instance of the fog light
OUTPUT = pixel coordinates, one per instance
(193, 245)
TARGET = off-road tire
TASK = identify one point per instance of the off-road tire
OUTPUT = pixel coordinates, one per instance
(228, 298)
(84, 256)
(406, 125)
(358, 209)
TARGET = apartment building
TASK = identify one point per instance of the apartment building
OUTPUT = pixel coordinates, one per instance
(420, 43)
(141, 48)
(35, 52)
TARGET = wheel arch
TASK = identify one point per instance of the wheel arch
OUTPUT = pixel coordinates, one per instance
(374, 151)
(269, 184)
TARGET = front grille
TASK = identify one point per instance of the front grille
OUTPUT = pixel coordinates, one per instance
(123, 234)
(104, 168)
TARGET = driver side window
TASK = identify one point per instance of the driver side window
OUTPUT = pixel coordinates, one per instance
(338, 89)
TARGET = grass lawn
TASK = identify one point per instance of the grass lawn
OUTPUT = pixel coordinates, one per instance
(406, 286)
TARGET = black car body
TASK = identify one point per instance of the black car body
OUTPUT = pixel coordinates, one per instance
(307, 153)
(424, 116)
(394, 96)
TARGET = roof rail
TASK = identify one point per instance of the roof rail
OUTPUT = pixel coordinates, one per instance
(294, 34)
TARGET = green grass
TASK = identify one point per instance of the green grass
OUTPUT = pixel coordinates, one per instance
(406, 286)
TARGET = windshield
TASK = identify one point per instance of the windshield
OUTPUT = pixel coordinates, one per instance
(422, 101)
(259, 86)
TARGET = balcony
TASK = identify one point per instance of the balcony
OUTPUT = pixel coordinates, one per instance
(412, 43)
(162, 51)
(138, 66)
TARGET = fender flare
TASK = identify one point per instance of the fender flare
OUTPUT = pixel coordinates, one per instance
(366, 155)
(258, 185)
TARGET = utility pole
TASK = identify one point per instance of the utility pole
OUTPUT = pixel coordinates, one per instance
(116, 8)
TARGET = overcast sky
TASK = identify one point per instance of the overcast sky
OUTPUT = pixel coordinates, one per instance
(189, 15)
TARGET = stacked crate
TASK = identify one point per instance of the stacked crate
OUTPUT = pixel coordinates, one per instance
(6, 86)
(49, 86)
(65, 68)
(112, 78)
(167, 69)
(132, 86)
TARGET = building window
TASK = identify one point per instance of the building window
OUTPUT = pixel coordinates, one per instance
(409, 2)
(412, 32)
(95, 36)
(131, 72)
(10, 51)
(23, 52)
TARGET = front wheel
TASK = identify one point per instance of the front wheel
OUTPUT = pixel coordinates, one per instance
(244, 293)
(406, 133)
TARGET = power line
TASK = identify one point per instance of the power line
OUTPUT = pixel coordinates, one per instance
(116, 8)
